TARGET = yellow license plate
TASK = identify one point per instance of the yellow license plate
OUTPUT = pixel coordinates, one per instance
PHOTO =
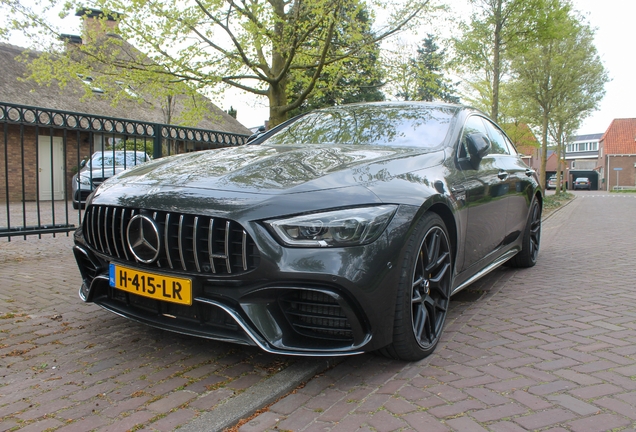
(152, 285)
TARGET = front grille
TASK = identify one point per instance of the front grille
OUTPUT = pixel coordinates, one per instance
(187, 242)
(316, 314)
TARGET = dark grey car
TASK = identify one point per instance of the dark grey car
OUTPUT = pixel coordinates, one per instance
(101, 166)
(341, 231)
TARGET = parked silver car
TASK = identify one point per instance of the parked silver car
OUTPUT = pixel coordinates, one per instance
(101, 166)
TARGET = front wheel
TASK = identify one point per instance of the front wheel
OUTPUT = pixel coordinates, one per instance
(423, 294)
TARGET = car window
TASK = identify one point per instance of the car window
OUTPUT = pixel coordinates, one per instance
(497, 138)
(119, 159)
(398, 126)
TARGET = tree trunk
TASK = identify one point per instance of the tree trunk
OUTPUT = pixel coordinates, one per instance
(277, 100)
(496, 75)
(544, 149)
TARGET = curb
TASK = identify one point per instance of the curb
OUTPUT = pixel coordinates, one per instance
(258, 396)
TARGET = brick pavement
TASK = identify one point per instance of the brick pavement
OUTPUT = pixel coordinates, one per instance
(70, 366)
(552, 348)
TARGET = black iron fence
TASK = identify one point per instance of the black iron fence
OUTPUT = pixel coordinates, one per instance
(51, 160)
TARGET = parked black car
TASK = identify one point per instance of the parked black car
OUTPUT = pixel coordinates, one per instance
(341, 231)
(101, 166)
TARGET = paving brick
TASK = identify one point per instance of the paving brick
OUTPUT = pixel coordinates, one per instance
(423, 422)
(173, 420)
(499, 412)
(574, 404)
(601, 422)
(384, 421)
(544, 418)
(171, 401)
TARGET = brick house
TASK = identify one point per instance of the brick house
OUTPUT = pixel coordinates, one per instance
(525, 142)
(38, 162)
(617, 154)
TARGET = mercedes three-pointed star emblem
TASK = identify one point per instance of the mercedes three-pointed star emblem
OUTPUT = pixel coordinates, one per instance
(143, 238)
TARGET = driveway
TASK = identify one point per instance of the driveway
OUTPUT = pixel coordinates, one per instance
(548, 348)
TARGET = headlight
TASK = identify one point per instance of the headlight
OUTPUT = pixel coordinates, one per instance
(84, 181)
(350, 227)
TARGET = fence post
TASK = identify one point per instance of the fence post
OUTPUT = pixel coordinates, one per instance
(156, 145)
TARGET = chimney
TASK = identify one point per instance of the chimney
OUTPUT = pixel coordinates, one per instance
(97, 24)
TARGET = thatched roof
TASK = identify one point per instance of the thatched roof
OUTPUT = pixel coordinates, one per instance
(17, 90)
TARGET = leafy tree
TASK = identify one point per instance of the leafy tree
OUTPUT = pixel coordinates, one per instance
(561, 76)
(429, 66)
(422, 77)
(254, 45)
(355, 80)
(497, 30)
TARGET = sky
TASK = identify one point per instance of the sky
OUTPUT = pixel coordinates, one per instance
(612, 19)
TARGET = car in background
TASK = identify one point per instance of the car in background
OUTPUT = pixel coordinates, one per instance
(552, 182)
(341, 231)
(582, 183)
(101, 166)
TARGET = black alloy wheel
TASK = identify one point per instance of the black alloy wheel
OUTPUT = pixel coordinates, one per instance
(424, 292)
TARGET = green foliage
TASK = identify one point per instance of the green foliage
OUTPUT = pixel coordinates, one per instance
(258, 46)
(498, 29)
(351, 81)
(423, 77)
(560, 76)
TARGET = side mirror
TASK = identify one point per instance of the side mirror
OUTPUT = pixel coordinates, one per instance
(478, 147)
(83, 163)
(259, 132)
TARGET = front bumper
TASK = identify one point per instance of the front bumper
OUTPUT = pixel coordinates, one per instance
(310, 302)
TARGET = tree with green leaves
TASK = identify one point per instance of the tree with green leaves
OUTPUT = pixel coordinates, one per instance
(356, 80)
(423, 77)
(253, 45)
(497, 30)
(561, 76)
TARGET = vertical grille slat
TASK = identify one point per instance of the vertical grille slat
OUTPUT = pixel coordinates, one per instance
(225, 248)
(195, 227)
(180, 240)
(166, 239)
(114, 229)
(106, 235)
(211, 245)
(122, 231)
(244, 250)
(99, 230)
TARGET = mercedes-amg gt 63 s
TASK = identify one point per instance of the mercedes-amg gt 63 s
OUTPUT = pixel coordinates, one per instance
(341, 231)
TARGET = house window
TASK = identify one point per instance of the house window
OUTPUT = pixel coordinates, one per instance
(582, 147)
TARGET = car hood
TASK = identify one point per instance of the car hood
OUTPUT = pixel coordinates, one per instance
(277, 169)
(263, 181)
(100, 172)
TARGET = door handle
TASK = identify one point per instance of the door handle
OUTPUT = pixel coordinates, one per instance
(502, 175)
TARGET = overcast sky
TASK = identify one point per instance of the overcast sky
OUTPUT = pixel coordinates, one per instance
(613, 20)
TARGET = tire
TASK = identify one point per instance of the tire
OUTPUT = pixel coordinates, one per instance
(423, 293)
(529, 253)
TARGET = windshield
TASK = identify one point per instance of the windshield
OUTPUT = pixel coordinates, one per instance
(122, 159)
(409, 125)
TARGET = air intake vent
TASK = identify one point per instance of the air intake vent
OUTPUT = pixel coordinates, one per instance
(184, 242)
(316, 314)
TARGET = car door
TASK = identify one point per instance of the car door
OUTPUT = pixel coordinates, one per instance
(518, 178)
(486, 192)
